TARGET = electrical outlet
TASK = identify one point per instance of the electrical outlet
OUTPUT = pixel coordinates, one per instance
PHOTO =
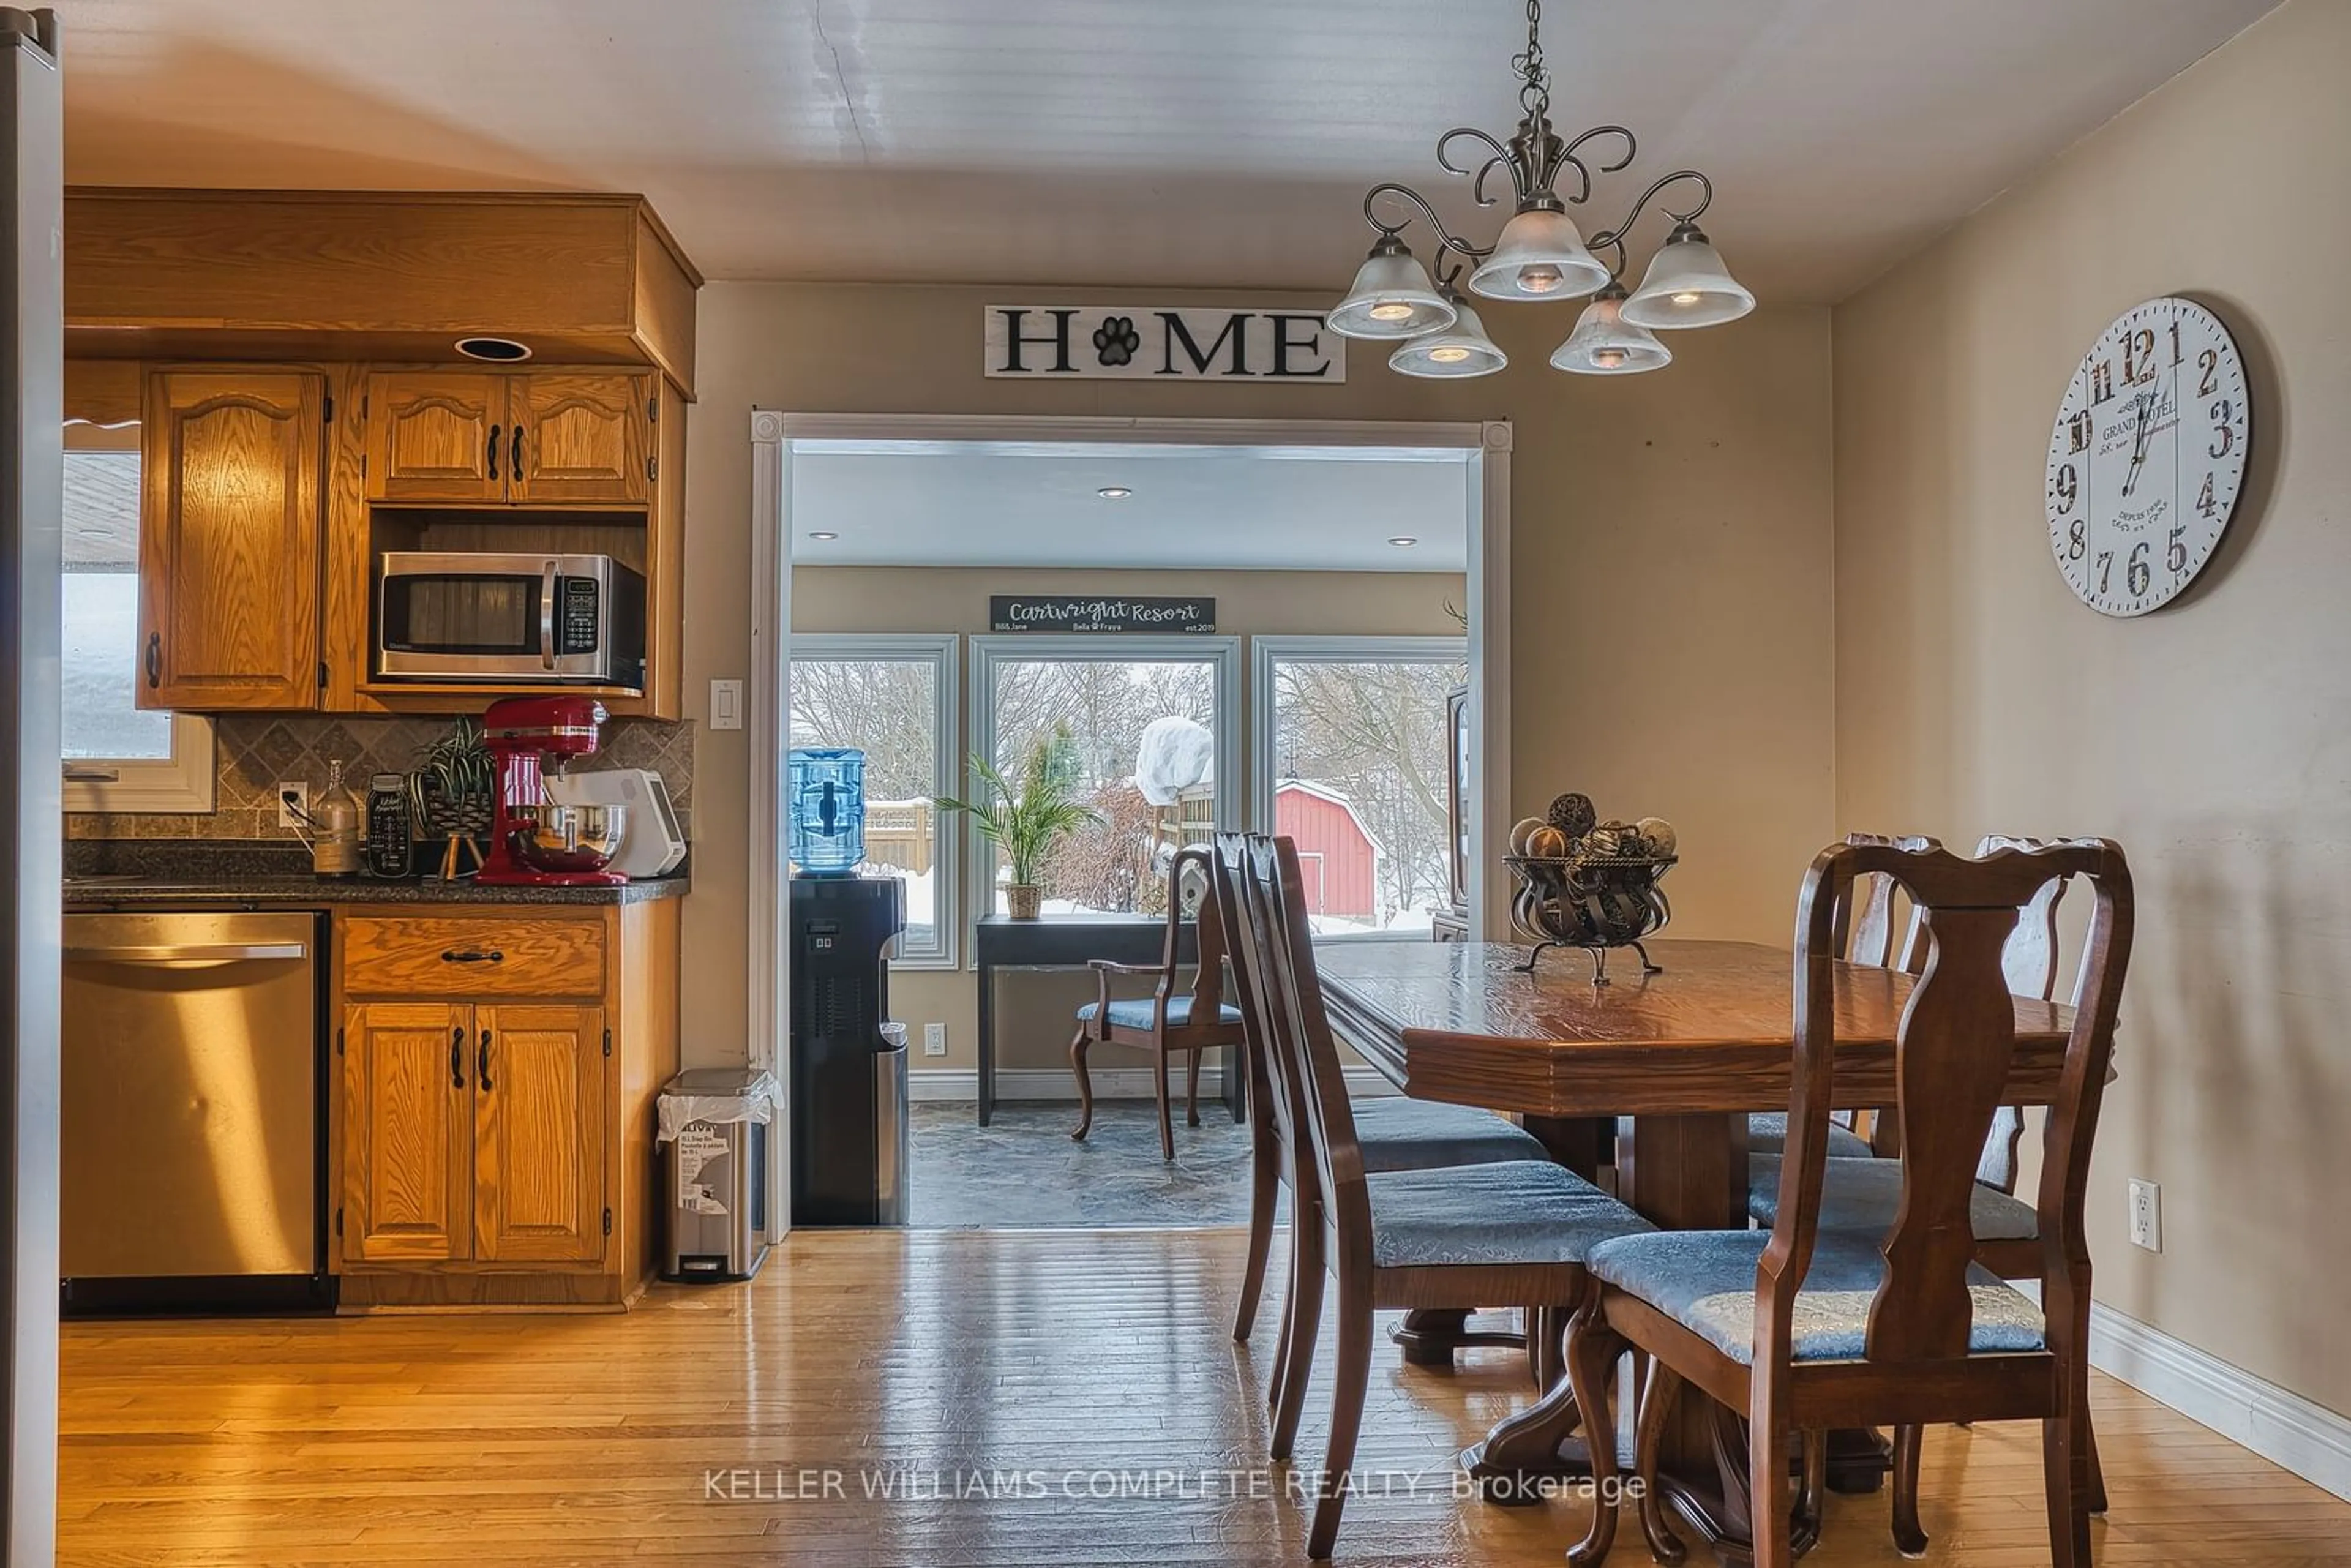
(2146, 1215)
(293, 798)
(935, 1039)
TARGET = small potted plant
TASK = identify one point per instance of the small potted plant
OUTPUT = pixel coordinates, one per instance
(1026, 823)
(450, 796)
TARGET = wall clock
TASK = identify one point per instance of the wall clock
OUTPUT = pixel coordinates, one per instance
(2148, 456)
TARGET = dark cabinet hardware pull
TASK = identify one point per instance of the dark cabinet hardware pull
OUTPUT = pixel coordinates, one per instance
(490, 451)
(456, 1058)
(154, 659)
(482, 1064)
(515, 466)
(473, 956)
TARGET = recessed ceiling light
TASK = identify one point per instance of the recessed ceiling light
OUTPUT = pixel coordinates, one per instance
(1404, 541)
(1114, 492)
(822, 534)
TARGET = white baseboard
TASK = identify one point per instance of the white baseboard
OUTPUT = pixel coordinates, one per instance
(2291, 1432)
(2278, 1423)
(927, 1084)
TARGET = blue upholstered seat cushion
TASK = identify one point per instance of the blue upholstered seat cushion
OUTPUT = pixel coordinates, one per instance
(1137, 1014)
(1401, 1133)
(1863, 1196)
(1767, 1133)
(1518, 1211)
(1705, 1281)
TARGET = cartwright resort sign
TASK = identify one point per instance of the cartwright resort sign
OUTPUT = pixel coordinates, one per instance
(1131, 342)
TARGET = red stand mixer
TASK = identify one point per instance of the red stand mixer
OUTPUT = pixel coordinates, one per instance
(534, 842)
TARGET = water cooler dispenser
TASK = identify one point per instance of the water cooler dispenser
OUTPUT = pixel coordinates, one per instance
(849, 1079)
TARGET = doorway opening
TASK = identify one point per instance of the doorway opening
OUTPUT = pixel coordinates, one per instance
(1299, 629)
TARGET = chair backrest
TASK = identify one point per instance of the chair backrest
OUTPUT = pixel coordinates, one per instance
(1227, 867)
(1209, 974)
(1867, 929)
(1328, 1163)
(1952, 1056)
(2030, 962)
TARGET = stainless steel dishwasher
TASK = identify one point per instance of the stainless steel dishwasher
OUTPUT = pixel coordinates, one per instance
(191, 1121)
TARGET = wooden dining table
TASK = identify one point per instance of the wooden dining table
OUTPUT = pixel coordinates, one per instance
(1652, 1074)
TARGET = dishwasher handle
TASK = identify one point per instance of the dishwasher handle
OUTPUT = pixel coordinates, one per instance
(188, 953)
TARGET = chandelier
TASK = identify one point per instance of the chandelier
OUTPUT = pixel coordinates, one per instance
(1540, 254)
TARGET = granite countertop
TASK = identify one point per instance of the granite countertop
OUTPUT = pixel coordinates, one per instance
(125, 873)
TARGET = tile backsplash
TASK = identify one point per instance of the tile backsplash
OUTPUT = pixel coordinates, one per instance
(251, 752)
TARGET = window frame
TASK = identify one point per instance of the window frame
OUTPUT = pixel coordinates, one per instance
(1264, 720)
(1221, 652)
(938, 650)
(184, 782)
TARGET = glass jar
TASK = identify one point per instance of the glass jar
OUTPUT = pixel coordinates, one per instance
(827, 790)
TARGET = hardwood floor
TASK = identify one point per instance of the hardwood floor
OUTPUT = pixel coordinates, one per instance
(513, 1441)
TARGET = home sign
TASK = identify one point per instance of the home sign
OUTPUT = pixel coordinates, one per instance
(1141, 342)
(1082, 613)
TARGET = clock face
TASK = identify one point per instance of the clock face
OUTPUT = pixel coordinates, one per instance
(2148, 456)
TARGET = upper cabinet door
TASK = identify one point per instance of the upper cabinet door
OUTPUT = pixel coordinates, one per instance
(437, 435)
(579, 438)
(230, 527)
(538, 1154)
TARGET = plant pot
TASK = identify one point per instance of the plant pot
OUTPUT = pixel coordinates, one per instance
(1024, 901)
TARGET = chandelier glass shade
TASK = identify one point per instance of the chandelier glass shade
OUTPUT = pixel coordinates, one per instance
(1461, 350)
(1392, 298)
(1604, 344)
(1540, 253)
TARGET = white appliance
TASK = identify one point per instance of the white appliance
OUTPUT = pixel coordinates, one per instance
(651, 843)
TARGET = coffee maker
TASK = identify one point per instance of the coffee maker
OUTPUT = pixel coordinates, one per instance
(528, 735)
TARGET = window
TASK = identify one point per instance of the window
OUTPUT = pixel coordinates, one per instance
(117, 758)
(893, 699)
(1352, 743)
(1099, 704)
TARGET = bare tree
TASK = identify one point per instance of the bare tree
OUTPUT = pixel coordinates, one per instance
(1374, 732)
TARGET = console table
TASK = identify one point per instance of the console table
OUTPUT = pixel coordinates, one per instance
(1070, 942)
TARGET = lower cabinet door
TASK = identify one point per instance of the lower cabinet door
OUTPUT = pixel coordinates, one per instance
(538, 1134)
(408, 1138)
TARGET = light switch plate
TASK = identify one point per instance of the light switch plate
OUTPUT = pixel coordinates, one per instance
(2146, 1215)
(726, 704)
(935, 1039)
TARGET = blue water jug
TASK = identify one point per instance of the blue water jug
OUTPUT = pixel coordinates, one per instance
(828, 797)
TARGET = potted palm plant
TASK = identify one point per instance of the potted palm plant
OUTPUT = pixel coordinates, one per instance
(1026, 822)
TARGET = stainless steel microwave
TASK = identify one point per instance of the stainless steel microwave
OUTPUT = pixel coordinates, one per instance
(465, 616)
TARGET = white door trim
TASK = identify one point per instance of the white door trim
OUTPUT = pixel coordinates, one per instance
(772, 433)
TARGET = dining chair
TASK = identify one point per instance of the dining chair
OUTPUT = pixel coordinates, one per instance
(1515, 1231)
(1395, 1132)
(1169, 1020)
(1804, 1328)
(1865, 1195)
(1866, 933)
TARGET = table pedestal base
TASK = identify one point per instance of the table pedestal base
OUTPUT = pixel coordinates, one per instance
(1429, 1335)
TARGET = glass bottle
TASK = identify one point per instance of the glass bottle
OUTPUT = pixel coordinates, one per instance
(336, 850)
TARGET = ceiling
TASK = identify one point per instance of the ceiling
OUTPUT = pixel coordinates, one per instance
(1210, 142)
(1216, 508)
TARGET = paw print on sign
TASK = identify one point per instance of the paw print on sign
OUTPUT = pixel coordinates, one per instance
(1116, 340)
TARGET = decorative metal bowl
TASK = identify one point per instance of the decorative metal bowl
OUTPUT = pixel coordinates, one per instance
(570, 838)
(1592, 901)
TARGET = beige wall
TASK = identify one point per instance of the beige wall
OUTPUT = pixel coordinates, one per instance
(1033, 1010)
(1671, 556)
(1975, 693)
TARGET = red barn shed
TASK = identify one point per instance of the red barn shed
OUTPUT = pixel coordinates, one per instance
(1337, 855)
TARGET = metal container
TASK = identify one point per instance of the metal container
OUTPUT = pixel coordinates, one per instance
(570, 838)
(715, 1173)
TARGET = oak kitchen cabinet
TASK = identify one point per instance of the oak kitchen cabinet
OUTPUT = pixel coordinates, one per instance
(231, 531)
(495, 1119)
(493, 438)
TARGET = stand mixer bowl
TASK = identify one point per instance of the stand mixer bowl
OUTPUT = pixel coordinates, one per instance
(568, 838)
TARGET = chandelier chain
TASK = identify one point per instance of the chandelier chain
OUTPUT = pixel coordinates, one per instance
(1535, 92)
